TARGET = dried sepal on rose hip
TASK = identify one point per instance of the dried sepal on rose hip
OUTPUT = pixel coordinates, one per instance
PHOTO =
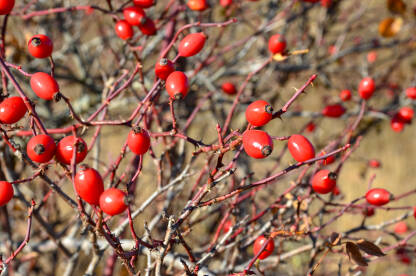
(138, 140)
(257, 143)
(113, 201)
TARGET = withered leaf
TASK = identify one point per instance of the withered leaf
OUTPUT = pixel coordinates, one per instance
(354, 252)
(335, 239)
(390, 26)
(396, 6)
(370, 248)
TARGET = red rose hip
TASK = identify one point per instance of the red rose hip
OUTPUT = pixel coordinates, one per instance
(144, 3)
(40, 46)
(163, 68)
(378, 196)
(192, 44)
(148, 26)
(406, 114)
(277, 44)
(138, 141)
(124, 30)
(324, 181)
(259, 243)
(41, 148)
(6, 6)
(411, 93)
(228, 88)
(89, 185)
(259, 113)
(12, 109)
(6, 192)
(44, 85)
(366, 88)
(113, 201)
(134, 15)
(300, 148)
(345, 95)
(197, 5)
(65, 150)
(177, 85)
(333, 111)
(257, 143)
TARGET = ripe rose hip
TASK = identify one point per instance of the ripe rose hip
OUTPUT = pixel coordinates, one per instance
(406, 114)
(373, 163)
(372, 57)
(333, 111)
(138, 141)
(259, 113)
(44, 85)
(40, 46)
(411, 93)
(345, 95)
(378, 196)
(177, 85)
(41, 148)
(6, 192)
(326, 3)
(300, 148)
(148, 27)
(324, 181)
(124, 30)
(258, 244)
(134, 15)
(163, 68)
(197, 5)
(144, 3)
(12, 109)
(113, 201)
(89, 185)
(310, 127)
(277, 44)
(65, 149)
(369, 211)
(366, 88)
(257, 143)
(335, 191)
(414, 212)
(6, 6)
(192, 44)
(397, 124)
(400, 227)
(228, 88)
(226, 3)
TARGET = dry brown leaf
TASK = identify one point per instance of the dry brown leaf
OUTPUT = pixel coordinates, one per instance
(396, 6)
(390, 26)
(370, 248)
(354, 253)
(335, 239)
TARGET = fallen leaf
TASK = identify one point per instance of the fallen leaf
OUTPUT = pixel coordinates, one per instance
(396, 6)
